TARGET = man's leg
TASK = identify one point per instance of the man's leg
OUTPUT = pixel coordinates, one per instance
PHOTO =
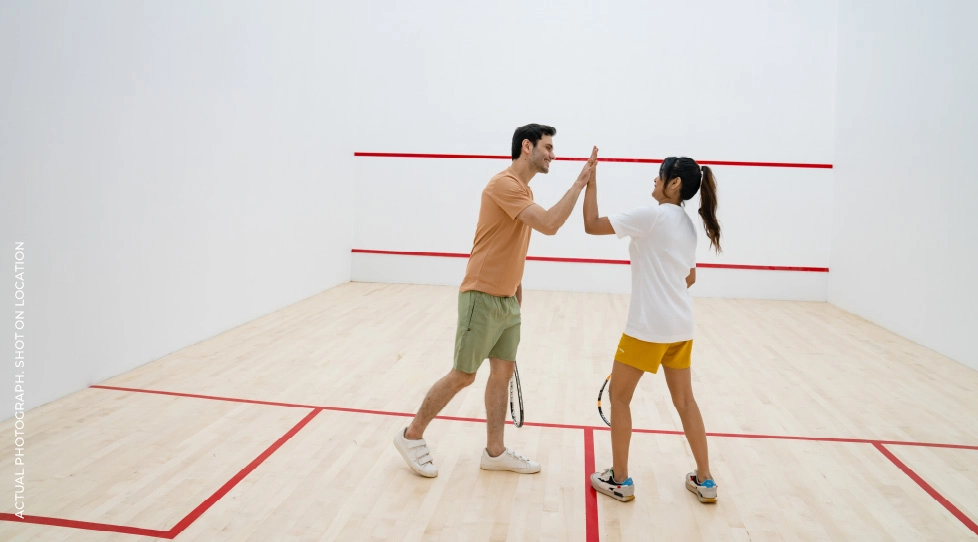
(496, 456)
(497, 395)
(438, 396)
(501, 366)
(472, 342)
(471, 346)
(409, 441)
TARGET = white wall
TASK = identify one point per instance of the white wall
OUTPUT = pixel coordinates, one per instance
(745, 81)
(904, 235)
(794, 227)
(177, 170)
(174, 170)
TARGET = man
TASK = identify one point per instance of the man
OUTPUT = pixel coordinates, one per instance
(490, 297)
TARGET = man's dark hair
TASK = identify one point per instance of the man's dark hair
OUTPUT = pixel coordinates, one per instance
(533, 132)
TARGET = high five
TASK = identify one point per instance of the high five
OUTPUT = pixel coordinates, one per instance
(659, 330)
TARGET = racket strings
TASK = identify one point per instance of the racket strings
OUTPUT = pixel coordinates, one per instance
(516, 398)
(606, 407)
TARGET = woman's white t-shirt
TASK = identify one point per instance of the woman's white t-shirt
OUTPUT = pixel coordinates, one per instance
(662, 251)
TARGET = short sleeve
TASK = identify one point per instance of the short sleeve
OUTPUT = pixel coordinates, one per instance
(636, 223)
(510, 195)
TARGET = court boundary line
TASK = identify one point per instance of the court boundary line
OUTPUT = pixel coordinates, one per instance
(187, 520)
(592, 523)
(592, 526)
(936, 495)
(538, 424)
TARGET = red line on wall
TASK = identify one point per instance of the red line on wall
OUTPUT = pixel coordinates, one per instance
(400, 253)
(761, 267)
(968, 522)
(593, 260)
(575, 260)
(581, 159)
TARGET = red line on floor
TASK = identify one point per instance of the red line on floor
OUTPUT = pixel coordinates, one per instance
(85, 525)
(581, 159)
(208, 397)
(593, 260)
(272, 403)
(814, 439)
(589, 467)
(778, 437)
(541, 424)
(202, 507)
(968, 522)
(590, 495)
(926, 444)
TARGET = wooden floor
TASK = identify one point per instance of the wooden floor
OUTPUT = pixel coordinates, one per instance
(825, 427)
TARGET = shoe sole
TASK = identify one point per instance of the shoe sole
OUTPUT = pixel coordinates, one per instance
(692, 489)
(408, 461)
(613, 494)
(518, 471)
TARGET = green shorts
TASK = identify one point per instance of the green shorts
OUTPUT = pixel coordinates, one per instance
(488, 327)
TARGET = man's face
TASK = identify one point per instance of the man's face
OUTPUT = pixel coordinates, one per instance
(542, 154)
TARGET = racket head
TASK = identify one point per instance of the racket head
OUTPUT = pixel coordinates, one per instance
(604, 408)
(516, 399)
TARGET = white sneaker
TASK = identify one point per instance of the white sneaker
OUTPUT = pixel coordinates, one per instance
(509, 460)
(416, 454)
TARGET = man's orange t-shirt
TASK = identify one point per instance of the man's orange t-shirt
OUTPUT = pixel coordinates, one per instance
(501, 240)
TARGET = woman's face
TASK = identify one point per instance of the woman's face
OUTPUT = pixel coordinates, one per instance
(657, 189)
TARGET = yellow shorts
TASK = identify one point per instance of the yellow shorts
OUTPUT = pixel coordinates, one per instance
(647, 356)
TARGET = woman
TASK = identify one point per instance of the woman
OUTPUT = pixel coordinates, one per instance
(659, 330)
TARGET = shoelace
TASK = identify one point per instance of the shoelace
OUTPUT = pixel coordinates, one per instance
(609, 476)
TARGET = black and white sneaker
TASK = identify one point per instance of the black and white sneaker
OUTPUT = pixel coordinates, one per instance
(604, 482)
(705, 491)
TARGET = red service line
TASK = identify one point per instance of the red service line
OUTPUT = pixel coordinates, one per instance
(962, 517)
(590, 495)
(86, 525)
(220, 493)
(581, 159)
(540, 424)
(595, 260)
(591, 508)
(195, 514)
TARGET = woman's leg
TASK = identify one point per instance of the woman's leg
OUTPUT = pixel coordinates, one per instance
(681, 389)
(624, 379)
